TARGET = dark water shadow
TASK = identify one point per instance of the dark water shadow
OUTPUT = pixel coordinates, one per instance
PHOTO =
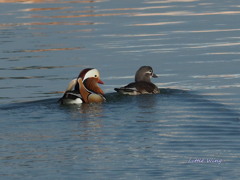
(30, 104)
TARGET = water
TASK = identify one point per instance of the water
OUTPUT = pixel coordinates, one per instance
(190, 131)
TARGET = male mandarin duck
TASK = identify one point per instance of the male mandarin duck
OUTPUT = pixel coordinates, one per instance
(142, 84)
(84, 89)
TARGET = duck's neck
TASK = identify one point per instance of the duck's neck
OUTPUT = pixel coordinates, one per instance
(143, 78)
(83, 91)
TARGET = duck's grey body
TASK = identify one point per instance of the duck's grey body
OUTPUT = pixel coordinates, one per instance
(142, 84)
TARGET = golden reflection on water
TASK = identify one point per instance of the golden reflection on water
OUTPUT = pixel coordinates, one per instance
(61, 16)
(138, 8)
(49, 24)
(87, 15)
(27, 1)
(45, 9)
(49, 1)
(23, 77)
(53, 49)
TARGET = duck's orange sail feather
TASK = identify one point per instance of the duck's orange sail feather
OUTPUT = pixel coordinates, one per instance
(92, 85)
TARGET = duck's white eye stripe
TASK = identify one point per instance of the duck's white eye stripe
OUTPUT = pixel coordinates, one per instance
(91, 73)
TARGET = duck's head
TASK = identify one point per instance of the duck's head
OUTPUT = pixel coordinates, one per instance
(90, 77)
(90, 73)
(144, 73)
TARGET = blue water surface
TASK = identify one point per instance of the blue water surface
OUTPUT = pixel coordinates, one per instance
(189, 131)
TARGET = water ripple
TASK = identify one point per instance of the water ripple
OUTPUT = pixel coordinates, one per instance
(192, 44)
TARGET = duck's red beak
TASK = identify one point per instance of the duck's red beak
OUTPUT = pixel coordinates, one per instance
(100, 81)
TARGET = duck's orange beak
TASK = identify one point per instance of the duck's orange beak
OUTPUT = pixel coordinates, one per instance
(100, 81)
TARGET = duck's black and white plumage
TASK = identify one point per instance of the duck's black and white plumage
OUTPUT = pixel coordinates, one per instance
(84, 89)
(142, 84)
(71, 97)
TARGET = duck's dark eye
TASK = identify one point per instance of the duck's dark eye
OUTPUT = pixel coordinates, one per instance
(95, 75)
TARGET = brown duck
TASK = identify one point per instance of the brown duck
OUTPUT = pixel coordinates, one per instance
(142, 84)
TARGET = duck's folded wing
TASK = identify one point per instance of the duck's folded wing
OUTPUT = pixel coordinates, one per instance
(130, 89)
(147, 87)
(138, 88)
(71, 85)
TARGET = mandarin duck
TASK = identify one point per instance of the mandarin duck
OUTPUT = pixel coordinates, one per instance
(84, 89)
(142, 84)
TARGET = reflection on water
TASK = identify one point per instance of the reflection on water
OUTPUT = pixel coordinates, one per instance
(158, 23)
(49, 1)
(55, 49)
(45, 9)
(226, 76)
(187, 13)
(166, 31)
(84, 111)
(193, 45)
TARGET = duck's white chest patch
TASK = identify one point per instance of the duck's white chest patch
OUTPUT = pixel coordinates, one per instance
(75, 101)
